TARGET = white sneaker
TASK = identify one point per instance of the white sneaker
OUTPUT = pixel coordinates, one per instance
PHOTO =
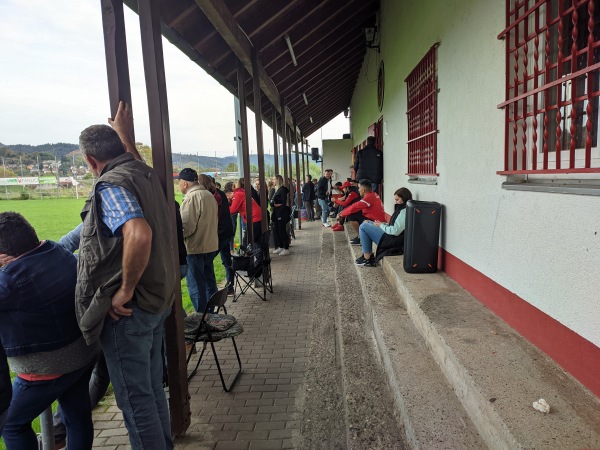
(277, 250)
(327, 225)
(284, 252)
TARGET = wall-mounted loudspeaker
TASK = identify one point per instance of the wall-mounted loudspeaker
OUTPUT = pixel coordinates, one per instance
(314, 153)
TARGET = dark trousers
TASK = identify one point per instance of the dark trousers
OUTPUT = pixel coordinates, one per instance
(225, 253)
(280, 234)
(31, 398)
(99, 382)
(310, 212)
(256, 230)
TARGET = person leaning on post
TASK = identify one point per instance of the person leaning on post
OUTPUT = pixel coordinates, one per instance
(125, 289)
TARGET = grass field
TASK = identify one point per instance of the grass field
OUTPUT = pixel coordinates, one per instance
(53, 218)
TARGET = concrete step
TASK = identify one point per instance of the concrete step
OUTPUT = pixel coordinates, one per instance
(432, 415)
(347, 403)
(371, 417)
(495, 373)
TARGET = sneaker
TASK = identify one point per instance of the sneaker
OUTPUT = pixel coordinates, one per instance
(370, 262)
(277, 250)
(327, 225)
(337, 227)
(355, 241)
(361, 261)
(284, 252)
(230, 292)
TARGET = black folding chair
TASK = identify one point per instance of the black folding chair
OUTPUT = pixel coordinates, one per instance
(209, 328)
(251, 266)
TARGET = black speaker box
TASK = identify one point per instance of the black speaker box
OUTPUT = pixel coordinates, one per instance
(422, 236)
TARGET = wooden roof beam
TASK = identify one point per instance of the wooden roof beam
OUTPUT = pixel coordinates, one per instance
(216, 11)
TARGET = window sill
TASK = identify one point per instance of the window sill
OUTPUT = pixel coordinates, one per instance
(573, 186)
(422, 180)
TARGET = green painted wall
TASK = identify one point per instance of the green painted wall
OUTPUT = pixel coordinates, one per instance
(510, 236)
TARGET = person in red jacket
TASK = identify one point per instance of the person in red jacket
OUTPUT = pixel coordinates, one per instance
(369, 207)
(238, 205)
(351, 196)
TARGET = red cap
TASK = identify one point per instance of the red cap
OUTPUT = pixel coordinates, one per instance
(346, 184)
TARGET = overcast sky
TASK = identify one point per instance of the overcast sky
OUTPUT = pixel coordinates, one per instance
(53, 83)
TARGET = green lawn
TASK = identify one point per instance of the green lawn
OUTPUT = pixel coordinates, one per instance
(53, 218)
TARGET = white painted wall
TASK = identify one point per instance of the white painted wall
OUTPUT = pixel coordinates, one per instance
(337, 155)
(543, 247)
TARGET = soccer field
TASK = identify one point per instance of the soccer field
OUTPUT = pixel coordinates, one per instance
(53, 218)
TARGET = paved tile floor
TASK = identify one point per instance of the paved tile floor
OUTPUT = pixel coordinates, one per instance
(262, 412)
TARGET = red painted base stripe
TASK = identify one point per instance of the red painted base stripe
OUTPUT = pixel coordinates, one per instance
(573, 353)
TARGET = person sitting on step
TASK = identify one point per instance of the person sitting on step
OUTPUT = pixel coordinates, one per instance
(351, 196)
(387, 236)
(369, 207)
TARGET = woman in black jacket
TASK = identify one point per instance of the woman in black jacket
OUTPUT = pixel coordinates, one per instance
(281, 216)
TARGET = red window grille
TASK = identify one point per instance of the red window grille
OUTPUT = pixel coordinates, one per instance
(552, 86)
(421, 86)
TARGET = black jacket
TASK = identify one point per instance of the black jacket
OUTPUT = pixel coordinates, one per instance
(368, 163)
(391, 245)
(308, 192)
(281, 212)
(322, 188)
(180, 242)
(225, 229)
(255, 195)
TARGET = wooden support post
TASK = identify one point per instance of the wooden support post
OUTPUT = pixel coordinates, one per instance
(245, 150)
(259, 142)
(158, 112)
(275, 143)
(289, 164)
(298, 181)
(302, 157)
(284, 143)
(115, 49)
(308, 161)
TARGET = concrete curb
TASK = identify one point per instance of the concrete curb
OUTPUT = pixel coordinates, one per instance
(491, 427)
(416, 393)
(382, 350)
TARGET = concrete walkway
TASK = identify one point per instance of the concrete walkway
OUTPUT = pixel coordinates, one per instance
(263, 411)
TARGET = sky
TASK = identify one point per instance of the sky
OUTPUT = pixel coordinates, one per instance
(53, 83)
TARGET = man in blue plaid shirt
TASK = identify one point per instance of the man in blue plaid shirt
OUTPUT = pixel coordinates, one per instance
(127, 276)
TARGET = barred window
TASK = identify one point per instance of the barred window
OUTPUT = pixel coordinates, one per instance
(421, 87)
(552, 86)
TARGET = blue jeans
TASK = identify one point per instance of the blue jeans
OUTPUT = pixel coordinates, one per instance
(183, 270)
(324, 210)
(369, 233)
(225, 252)
(132, 348)
(31, 398)
(200, 279)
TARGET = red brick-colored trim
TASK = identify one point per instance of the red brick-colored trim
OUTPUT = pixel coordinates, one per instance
(573, 353)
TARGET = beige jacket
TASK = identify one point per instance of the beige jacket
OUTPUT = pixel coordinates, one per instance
(200, 216)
